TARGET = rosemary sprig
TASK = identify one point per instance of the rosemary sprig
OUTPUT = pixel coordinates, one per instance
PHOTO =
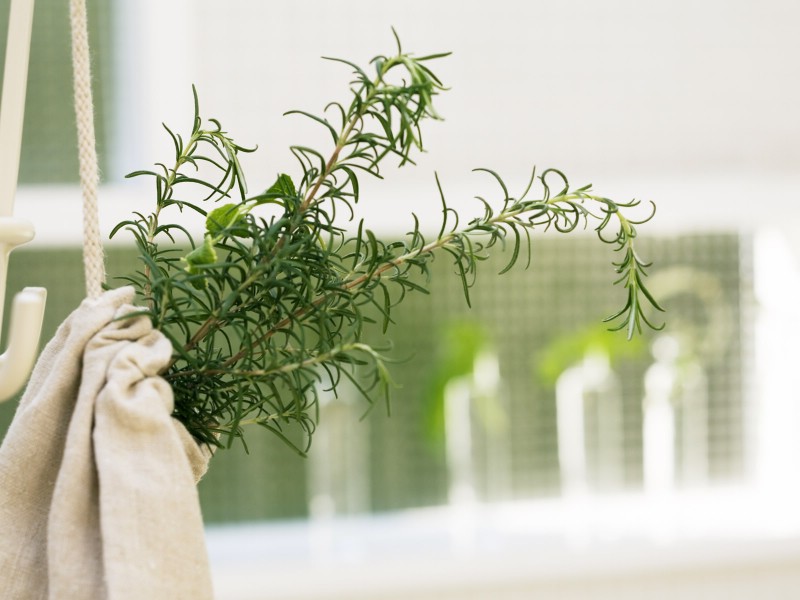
(264, 311)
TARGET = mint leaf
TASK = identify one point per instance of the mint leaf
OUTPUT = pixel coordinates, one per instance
(222, 217)
(283, 186)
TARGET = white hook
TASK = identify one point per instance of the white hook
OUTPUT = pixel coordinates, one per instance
(23, 340)
(28, 309)
(26, 314)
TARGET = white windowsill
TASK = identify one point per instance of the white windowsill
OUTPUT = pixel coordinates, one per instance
(727, 538)
(701, 203)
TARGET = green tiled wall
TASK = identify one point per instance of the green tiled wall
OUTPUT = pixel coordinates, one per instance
(566, 289)
(49, 147)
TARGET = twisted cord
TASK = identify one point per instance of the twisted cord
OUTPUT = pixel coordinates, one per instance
(93, 266)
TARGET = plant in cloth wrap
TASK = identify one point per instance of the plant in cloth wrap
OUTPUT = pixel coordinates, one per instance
(98, 496)
(275, 296)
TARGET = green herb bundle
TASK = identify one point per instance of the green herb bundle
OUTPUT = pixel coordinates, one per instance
(264, 311)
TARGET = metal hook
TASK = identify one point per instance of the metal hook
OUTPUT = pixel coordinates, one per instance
(28, 310)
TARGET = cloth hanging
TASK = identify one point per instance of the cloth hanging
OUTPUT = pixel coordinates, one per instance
(98, 493)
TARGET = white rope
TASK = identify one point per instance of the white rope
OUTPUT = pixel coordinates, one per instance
(94, 269)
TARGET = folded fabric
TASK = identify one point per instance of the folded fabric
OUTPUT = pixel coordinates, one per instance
(98, 494)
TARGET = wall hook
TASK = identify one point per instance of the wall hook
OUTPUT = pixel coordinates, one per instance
(28, 309)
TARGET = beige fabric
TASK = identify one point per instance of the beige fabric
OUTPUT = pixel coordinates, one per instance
(97, 480)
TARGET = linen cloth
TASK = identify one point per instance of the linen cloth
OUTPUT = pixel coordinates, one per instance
(98, 493)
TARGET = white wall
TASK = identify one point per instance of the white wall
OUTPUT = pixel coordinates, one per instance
(692, 103)
(610, 87)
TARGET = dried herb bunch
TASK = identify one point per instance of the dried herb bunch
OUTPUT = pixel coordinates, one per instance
(264, 309)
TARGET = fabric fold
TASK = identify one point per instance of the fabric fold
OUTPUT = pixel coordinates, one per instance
(97, 480)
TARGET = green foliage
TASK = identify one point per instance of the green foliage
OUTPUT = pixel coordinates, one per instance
(264, 310)
(460, 344)
(565, 351)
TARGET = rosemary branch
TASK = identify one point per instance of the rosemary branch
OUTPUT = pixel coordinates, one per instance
(262, 313)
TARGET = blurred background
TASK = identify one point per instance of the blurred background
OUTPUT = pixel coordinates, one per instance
(528, 451)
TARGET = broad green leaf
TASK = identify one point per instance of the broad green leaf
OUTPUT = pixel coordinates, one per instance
(222, 218)
(283, 186)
